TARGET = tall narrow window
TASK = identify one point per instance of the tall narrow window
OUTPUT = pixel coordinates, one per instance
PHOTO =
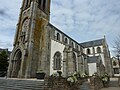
(98, 50)
(66, 41)
(77, 47)
(27, 3)
(39, 3)
(72, 45)
(88, 51)
(57, 61)
(44, 4)
(58, 36)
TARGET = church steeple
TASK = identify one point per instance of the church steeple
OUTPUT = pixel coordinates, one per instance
(31, 40)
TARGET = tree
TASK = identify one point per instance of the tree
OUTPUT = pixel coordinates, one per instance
(117, 48)
(117, 45)
(3, 63)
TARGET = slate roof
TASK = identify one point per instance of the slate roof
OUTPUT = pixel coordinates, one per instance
(93, 59)
(92, 43)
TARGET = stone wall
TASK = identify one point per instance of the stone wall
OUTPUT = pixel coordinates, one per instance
(96, 83)
(60, 83)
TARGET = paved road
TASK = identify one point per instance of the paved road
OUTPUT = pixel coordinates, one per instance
(111, 88)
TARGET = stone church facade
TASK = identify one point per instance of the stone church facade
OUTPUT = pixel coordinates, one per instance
(38, 45)
(99, 48)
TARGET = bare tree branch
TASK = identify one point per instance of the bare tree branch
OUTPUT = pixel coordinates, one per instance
(117, 45)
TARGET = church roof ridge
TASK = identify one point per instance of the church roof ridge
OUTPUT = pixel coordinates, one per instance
(96, 42)
(64, 34)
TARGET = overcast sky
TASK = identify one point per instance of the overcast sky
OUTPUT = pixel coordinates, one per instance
(83, 20)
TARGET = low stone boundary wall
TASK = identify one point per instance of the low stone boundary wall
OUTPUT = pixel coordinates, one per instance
(60, 83)
(96, 83)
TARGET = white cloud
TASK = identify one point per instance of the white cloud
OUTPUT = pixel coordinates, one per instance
(82, 19)
(8, 21)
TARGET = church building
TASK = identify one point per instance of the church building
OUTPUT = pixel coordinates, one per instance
(38, 45)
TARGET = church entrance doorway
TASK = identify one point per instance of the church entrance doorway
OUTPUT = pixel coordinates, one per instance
(16, 63)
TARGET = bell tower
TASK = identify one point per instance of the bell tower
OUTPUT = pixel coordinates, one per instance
(30, 52)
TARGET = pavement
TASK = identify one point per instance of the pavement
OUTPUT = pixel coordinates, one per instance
(111, 88)
(113, 85)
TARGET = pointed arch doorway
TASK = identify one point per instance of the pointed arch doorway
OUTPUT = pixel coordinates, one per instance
(16, 63)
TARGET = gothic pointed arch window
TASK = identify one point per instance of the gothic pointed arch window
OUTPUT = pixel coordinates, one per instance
(57, 61)
(98, 50)
(88, 51)
(58, 36)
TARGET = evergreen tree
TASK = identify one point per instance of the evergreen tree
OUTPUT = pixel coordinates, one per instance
(3, 63)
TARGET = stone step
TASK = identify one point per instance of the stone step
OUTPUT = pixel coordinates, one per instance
(17, 84)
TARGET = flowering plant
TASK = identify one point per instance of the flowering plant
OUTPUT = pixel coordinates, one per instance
(72, 78)
(55, 74)
(83, 75)
(105, 79)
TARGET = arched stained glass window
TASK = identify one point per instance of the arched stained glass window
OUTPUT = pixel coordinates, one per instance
(57, 61)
